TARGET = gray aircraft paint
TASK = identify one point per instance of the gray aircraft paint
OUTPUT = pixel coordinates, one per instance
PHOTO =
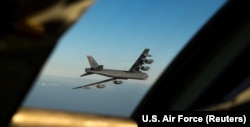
(133, 73)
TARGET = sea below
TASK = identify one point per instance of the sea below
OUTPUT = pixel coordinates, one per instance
(50, 92)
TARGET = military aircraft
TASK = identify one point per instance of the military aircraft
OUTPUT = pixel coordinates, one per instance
(135, 72)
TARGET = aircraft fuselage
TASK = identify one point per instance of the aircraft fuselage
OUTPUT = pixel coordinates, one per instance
(121, 74)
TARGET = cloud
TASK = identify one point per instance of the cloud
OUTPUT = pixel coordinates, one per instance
(49, 84)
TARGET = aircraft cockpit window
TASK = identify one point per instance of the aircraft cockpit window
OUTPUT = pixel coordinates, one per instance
(115, 52)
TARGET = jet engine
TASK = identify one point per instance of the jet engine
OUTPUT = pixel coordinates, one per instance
(144, 68)
(118, 82)
(100, 86)
(149, 61)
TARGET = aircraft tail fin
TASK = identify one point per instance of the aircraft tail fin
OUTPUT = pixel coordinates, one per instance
(93, 64)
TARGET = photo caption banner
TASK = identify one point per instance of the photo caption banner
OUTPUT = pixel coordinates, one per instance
(194, 117)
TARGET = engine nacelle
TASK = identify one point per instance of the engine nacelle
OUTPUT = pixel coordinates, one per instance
(148, 61)
(118, 82)
(144, 68)
(100, 86)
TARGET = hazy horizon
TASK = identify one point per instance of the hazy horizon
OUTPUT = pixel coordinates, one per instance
(52, 92)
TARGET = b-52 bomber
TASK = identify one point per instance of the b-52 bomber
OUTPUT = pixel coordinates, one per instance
(135, 72)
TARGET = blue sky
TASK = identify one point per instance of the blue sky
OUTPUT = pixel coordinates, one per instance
(115, 32)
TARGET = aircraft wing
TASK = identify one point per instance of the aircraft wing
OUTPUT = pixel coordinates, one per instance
(85, 74)
(139, 61)
(86, 86)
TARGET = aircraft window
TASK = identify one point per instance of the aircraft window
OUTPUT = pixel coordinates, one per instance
(114, 34)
